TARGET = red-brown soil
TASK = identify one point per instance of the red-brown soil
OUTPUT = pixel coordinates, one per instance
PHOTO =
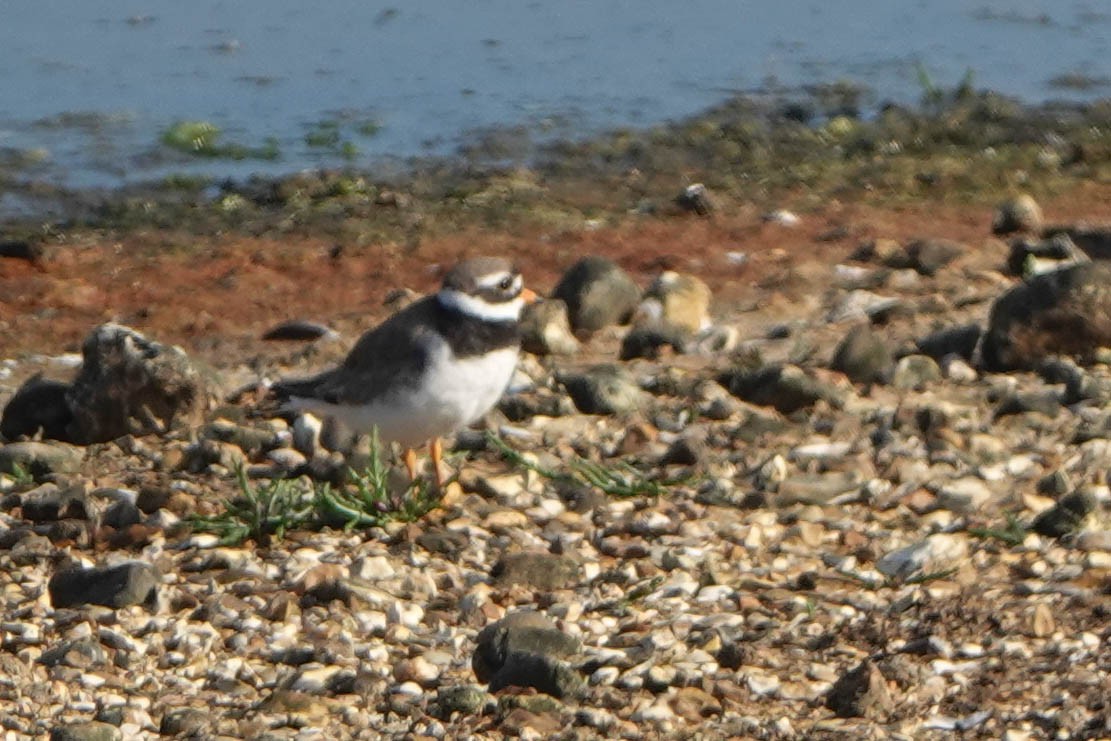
(216, 296)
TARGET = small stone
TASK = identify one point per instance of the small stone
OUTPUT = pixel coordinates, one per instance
(648, 340)
(964, 495)
(1067, 516)
(526, 649)
(40, 458)
(87, 731)
(131, 583)
(960, 341)
(1032, 256)
(689, 449)
(694, 704)
(543, 571)
(546, 329)
(787, 388)
(915, 373)
(185, 722)
(928, 256)
(603, 389)
(683, 301)
(1018, 214)
(298, 330)
(696, 199)
(49, 503)
(861, 692)
(931, 555)
(466, 699)
(1043, 624)
(598, 294)
(862, 355)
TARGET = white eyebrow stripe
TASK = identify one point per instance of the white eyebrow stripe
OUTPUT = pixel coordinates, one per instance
(492, 280)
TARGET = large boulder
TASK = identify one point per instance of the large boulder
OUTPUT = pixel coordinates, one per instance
(129, 384)
(598, 293)
(1063, 312)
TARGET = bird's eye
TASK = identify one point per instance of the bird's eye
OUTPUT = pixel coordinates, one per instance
(505, 283)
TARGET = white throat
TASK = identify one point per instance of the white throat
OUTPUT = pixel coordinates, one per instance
(509, 311)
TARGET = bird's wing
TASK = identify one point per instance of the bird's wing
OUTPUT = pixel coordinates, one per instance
(390, 356)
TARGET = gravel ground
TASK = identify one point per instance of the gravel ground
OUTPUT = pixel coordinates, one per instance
(923, 554)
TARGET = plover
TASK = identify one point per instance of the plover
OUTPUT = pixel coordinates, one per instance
(433, 368)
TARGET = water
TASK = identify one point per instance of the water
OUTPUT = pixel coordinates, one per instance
(88, 88)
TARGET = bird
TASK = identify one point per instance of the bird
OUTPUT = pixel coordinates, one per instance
(431, 369)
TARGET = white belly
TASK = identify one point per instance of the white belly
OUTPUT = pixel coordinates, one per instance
(452, 394)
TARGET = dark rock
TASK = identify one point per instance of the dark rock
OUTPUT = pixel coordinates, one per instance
(87, 731)
(153, 498)
(121, 514)
(1064, 312)
(648, 340)
(543, 402)
(861, 692)
(28, 547)
(538, 570)
(928, 256)
(1055, 484)
(465, 699)
(603, 389)
(448, 543)
(1065, 517)
(862, 355)
(82, 653)
(696, 199)
(1058, 250)
(598, 294)
(540, 671)
(886, 252)
(298, 330)
(1093, 241)
(915, 373)
(130, 583)
(959, 341)
(49, 503)
(185, 723)
(526, 649)
(247, 439)
(21, 249)
(131, 385)
(40, 458)
(38, 407)
(1019, 214)
(1021, 402)
(523, 630)
(70, 532)
(787, 388)
(690, 449)
(546, 329)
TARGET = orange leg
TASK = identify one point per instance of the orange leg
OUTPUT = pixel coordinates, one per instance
(437, 449)
(411, 463)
